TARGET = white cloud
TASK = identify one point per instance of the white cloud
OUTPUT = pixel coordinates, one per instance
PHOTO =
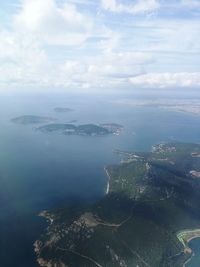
(164, 80)
(190, 3)
(18, 48)
(120, 65)
(106, 70)
(70, 44)
(52, 23)
(140, 7)
(21, 58)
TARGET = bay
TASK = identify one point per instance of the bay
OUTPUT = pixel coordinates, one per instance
(194, 244)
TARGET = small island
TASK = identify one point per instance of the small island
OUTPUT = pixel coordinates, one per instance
(84, 129)
(32, 119)
(147, 217)
(62, 110)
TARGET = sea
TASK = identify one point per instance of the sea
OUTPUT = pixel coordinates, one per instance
(195, 246)
(44, 171)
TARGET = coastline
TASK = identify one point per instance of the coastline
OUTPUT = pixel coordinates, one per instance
(185, 237)
(47, 215)
(108, 183)
(192, 254)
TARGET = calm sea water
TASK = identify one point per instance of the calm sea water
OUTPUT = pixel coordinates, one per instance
(42, 171)
(195, 246)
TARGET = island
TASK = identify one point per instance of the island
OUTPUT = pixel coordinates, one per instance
(84, 129)
(62, 110)
(32, 119)
(148, 215)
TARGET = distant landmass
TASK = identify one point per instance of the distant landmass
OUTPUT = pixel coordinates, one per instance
(32, 119)
(72, 121)
(191, 106)
(84, 129)
(62, 110)
(148, 216)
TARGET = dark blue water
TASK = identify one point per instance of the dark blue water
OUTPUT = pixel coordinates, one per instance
(42, 171)
(195, 246)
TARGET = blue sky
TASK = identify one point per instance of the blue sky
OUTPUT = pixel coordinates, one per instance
(99, 44)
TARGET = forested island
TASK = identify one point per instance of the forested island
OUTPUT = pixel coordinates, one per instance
(147, 217)
(48, 125)
(62, 110)
(84, 129)
(32, 119)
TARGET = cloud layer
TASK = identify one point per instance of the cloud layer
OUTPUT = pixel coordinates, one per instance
(139, 7)
(53, 24)
(166, 80)
(98, 45)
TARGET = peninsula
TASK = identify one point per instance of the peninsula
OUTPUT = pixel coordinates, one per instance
(149, 214)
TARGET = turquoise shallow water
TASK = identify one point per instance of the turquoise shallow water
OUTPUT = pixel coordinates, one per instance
(42, 171)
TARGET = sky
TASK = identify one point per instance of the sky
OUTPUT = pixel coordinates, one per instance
(99, 44)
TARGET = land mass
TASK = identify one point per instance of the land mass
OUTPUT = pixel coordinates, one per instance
(32, 119)
(62, 110)
(149, 214)
(84, 129)
(191, 106)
